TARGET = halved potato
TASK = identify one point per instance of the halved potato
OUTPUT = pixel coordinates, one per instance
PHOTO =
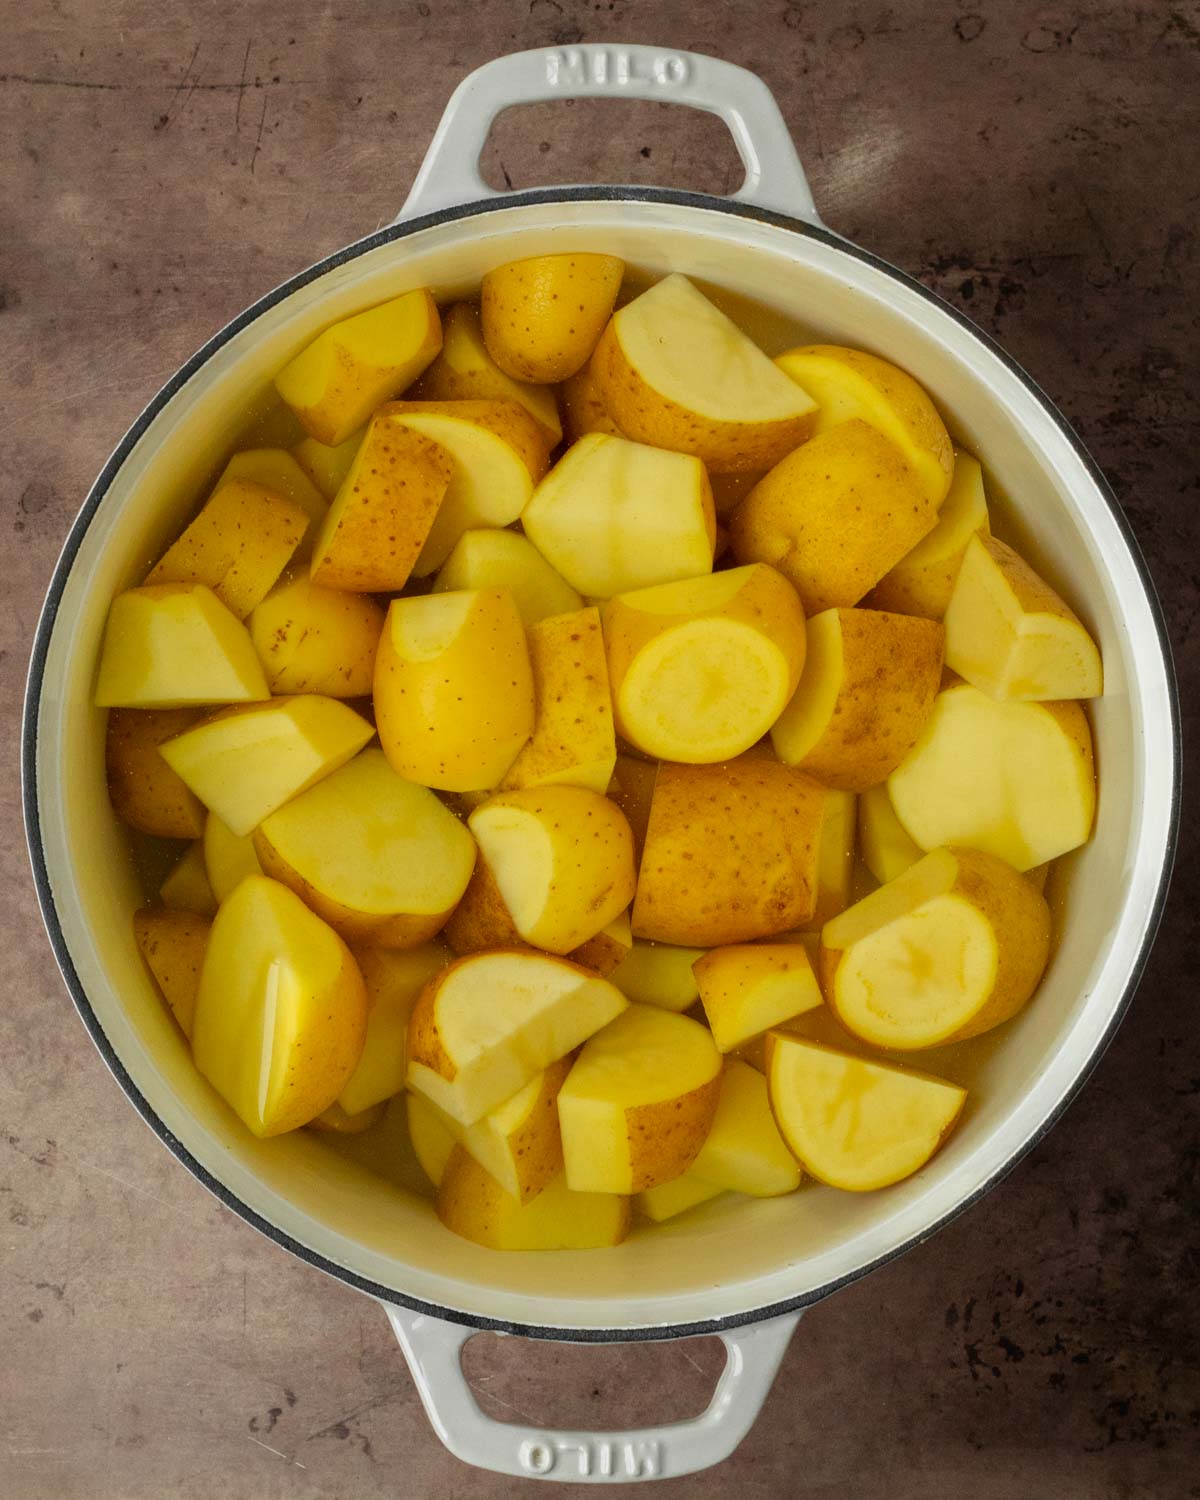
(473, 1204)
(519, 1142)
(747, 988)
(659, 974)
(228, 857)
(922, 581)
(327, 467)
(393, 979)
(583, 406)
(868, 686)
(852, 1123)
(143, 789)
(674, 371)
(743, 1151)
(883, 841)
(608, 949)
(187, 887)
(433, 1141)
(542, 316)
(173, 943)
(335, 383)
(702, 668)
(277, 469)
(484, 1026)
(378, 857)
(638, 1103)
(317, 640)
(614, 515)
(675, 1197)
(951, 948)
(493, 559)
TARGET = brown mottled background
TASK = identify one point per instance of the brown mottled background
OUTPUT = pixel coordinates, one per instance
(161, 164)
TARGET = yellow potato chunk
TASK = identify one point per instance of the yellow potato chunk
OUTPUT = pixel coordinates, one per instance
(172, 645)
(951, 948)
(856, 1124)
(245, 762)
(849, 383)
(835, 856)
(382, 514)
(675, 1197)
(281, 1012)
(454, 697)
(393, 980)
(327, 467)
(573, 739)
(487, 1024)
(748, 988)
(613, 515)
(542, 317)
(743, 1151)
(474, 1205)
(378, 857)
(187, 886)
(731, 853)
(1013, 779)
(583, 406)
(432, 1139)
(278, 470)
(492, 559)
(335, 384)
(883, 841)
(834, 515)
(237, 546)
(659, 974)
(337, 1121)
(173, 944)
(465, 371)
(228, 858)
(638, 1103)
(481, 919)
(868, 687)
(143, 789)
(674, 371)
(608, 949)
(312, 639)
(1010, 634)
(922, 581)
(702, 668)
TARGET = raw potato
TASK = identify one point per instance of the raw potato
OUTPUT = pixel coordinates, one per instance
(835, 857)
(674, 371)
(482, 1028)
(562, 861)
(868, 687)
(701, 669)
(731, 853)
(883, 841)
(499, 453)
(608, 949)
(675, 1197)
(173, 944)
(465, 371)
(951, 948)
(639, 1102)
(473, 1204)
(491, 559)
(922, 581)
(1010, 634)
(748, 988)
(852, 1123)
(454, 688)
(228, 859)
(143, 789)
(573, 739)
(614, 515)
(393, 981)
(432, 1139)
(317, 640)
(173, 645)
(327, 467)
(245, 762)
(743, 1151)
(278, 470)
(834, 515)
(382, 514)
(659, 974)
(187, 887)
(519, 1143)
(481, 919)
(632, 789)
(237, 546)
(583, 406)
(542, 317)
(335, 384)
(1014, 779)
(378, 857)
(281, 1012)
(336, 1120)
(848, 383)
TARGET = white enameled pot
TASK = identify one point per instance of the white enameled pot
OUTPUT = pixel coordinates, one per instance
(741, 1269)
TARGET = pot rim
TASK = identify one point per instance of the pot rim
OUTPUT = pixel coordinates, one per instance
(36, 678)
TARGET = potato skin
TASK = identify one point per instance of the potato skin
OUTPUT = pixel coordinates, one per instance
(542, 316)
(173, 943)
(583, 406)
(145, 792)
(481, 919)
(665, 1137)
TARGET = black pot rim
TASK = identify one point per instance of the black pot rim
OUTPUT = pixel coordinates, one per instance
(29, 742)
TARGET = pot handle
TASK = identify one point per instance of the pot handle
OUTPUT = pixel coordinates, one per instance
(449, 175)
(433, 1349)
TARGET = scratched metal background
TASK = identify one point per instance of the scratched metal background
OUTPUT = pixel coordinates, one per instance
(163, 163)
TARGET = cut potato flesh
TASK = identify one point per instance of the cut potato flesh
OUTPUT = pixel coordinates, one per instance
(519, 1144)
(748, 988)
(835, 856)
(669, 1199)
(491, 559)
(473, 1204)
(187, 887)
(856, 1124)
(327, 467)
(173, 943)
(277, 469)
(542, 316)
(432, 1138)
(883, 841)
(659, 974)
(743, 1151)
(393, 981)
(228, 857)
(317, 640)
(922, 581)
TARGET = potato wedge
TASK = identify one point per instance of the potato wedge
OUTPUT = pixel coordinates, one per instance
(454, 688)
(922, 581)
(855, 1124)
(173, 943)
(702, 668)
(743, 1151)
(608, 949)
(675, 1197)
(883, 841)
(748, 988)
(278, 470)
(335, 383)
(583, 406)
(674, 371)
(491, 559)
(834, 515)
(473, 1204)
(312, 639)
(393, 980)
(378, 857)
(187, 887)
(143, 789)
(542, 317)
(951, 948)
(228, 858)
(327, 467)
(868, 687)
(487, 1024)
(614, 515)
(659, 974)
(433, 1141)
(1013, 779)
(281, 1011)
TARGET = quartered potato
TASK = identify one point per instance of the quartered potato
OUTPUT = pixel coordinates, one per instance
(923, 580)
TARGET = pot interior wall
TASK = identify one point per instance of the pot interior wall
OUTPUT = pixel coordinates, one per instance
(732, 1256)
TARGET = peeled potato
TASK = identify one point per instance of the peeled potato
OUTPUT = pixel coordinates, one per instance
(317, 640)
(542, 316)
(494, 559)
(277, 469)
(748, 988)
(173, 943)
(473, 1204)
(393, 979)
(187, 887)
(327, 467)
(659, 974)
(922, 581)
(145, 792)
(228, 857)
(744, 1151)
(886, 847)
